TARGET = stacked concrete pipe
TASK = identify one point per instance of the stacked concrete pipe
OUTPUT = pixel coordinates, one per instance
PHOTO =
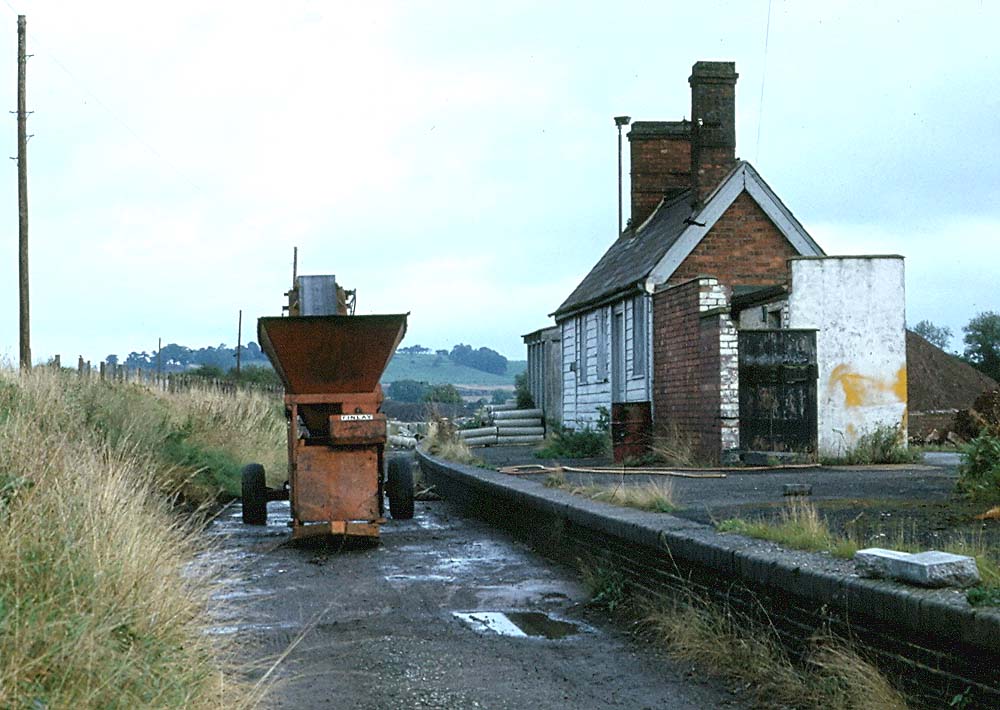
(508, 426)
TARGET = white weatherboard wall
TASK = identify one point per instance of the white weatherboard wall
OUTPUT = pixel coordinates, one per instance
(584, 395)
(583, 391)
(857, 303)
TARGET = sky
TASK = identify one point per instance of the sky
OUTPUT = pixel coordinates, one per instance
(458, 160)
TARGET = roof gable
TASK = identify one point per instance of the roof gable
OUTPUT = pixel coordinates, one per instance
(648, 254)
(742, 178)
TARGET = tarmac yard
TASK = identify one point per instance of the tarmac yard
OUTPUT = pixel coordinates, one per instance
(445, 613)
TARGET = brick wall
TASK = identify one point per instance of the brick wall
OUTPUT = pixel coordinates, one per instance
(729, 383)
(687, 365)
(660, 159)
(742, 248)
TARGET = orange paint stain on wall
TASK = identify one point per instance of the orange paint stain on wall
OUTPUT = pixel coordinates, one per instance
(860, 390)
(899, 387)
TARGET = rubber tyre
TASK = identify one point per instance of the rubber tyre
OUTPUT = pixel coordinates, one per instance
(399, 488)
(254, 494)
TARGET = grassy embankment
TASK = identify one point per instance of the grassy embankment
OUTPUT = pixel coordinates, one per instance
(100, 605)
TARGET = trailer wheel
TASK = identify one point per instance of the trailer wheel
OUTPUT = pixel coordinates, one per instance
(254, 494)
(399, 488)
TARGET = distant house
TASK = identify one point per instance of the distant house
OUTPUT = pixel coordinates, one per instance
(683, 301)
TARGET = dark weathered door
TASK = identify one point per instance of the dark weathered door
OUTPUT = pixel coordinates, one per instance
(778, 409)
(617, 356)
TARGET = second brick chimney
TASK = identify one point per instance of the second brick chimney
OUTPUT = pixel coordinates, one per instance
(713, 125)
(660, 159)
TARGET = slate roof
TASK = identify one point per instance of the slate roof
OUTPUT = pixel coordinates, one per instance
(630, 259)
(634, 257)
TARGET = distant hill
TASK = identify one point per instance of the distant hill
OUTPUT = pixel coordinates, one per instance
(427, 367)
(438, 370)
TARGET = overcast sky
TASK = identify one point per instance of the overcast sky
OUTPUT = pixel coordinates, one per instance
(458, 159)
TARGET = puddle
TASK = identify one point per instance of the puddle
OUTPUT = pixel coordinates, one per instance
(227, 630)
(419, 578)
(518, 624)
(240, 594)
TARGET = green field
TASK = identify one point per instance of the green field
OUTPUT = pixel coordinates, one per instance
(435, 370)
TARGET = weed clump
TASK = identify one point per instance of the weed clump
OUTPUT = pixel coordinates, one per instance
(606, 587)
(979, 472)
(799, 526)
(654, 495)
(444, 442)
(831, 675)
(881, 445)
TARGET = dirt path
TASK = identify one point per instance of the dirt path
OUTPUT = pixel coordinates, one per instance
(383, 625)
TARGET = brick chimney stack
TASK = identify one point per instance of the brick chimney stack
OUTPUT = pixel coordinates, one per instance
(713, 125)
(660, 160)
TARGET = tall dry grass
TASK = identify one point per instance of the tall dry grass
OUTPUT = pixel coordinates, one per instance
(100, 605)
(833, 675)
(653, 495)
(443, 441)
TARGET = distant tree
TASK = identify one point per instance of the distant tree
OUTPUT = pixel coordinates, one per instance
(441, 353)
(414, 350)
(443, 394)
(208, 372)
(253, 353)
(111, 359)
(498, 397)
(935, 335)
(982, 343)
(138, 361)
(483, 359)
(407, 391)
(258, 375)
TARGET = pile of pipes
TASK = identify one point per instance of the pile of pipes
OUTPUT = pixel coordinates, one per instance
(405, 435)
(506, 425)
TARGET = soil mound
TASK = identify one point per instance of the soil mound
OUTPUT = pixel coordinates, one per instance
(939, 381)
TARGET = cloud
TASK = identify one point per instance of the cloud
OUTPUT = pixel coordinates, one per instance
(459, 160)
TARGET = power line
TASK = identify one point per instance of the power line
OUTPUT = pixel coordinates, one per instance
(763, 77)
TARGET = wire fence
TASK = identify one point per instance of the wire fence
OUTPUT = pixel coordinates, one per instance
(162, 381)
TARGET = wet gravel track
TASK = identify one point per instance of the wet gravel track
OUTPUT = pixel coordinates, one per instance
(381, 627)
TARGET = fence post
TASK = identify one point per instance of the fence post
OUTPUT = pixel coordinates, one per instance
(57, 362)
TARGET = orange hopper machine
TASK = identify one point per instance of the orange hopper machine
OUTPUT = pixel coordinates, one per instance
(338, 471)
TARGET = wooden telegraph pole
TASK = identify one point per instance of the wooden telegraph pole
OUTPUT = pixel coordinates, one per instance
(239, 342)
(22, 197)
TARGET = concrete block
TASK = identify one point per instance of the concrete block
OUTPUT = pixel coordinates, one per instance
(927, 569)
(797, 489)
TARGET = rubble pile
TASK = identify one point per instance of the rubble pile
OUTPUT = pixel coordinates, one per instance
(941, 389)
(984, 414)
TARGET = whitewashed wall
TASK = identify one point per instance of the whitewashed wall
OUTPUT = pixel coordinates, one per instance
(583, 395)
(581, 399)
(857, 305)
